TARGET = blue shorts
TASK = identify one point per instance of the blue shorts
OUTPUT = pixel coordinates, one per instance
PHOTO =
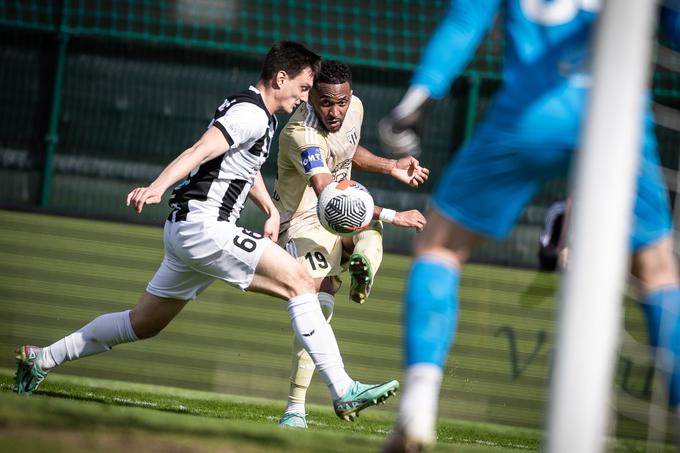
(513, 153)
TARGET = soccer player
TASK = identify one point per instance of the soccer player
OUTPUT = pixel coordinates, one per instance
(203, 242)
(525, 139)
(318, 145)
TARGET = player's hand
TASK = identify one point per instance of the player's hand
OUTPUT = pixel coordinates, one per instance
(408, 219)
(401, 129)
(409, 171)
(140, 196)
(271, 226)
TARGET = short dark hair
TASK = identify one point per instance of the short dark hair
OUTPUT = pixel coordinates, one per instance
(333, 72)
(289, 56)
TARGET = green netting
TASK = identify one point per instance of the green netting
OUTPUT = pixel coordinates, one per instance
(383, 33)
(380, 33)
(35, 14)
(142, 79)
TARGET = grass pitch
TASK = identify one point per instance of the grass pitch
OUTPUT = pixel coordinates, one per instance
(79, 414)
(71, 414)
(58, 273)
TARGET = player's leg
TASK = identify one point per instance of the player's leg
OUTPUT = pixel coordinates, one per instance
(145, 320)
(247, 259)
(366, 255)
(657, 272)
(279, 274)
(167, 293)
(319, 252)
(302, 367)
(655, 267)
(481, 193)
(431, 312)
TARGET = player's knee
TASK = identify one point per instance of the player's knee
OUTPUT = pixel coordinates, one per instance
(456, 258)
(143, 332)
(303, 283)
(143, 328)
(655, 266)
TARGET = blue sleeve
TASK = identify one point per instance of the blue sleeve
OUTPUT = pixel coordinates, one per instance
(453, 44)
(670, 24)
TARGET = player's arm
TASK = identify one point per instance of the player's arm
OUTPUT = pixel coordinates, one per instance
(406, 219)
(310, 161)
(319, 182)
(212, 144)
(446, 55)
(407, 169)
(260, 196)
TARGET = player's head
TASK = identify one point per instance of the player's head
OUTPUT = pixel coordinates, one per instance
(332, 93)
(290, 68)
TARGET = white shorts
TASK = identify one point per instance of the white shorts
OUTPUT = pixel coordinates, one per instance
(197, 253)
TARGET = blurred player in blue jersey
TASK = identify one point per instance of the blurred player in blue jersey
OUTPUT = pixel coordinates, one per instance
(525, 140)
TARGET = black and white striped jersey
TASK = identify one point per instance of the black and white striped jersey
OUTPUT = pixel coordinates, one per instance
(217, 189)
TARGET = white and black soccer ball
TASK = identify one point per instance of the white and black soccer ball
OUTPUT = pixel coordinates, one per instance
(345, 208)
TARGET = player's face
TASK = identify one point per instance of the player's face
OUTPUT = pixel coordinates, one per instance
(295, 90)
(331, 103)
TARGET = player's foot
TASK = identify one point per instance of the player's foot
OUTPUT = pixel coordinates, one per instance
(29, 375)
(293, 420)
(398, 442)
(361, 278)
(360, 396)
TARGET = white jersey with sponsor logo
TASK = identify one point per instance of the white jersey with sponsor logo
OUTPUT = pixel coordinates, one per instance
(217, 189)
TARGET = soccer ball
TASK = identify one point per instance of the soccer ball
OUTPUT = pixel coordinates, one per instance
(345, 207)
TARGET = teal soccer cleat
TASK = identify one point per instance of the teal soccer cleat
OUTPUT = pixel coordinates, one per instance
(293, 420)
(361, 278)
(29, 375)
(360, 396)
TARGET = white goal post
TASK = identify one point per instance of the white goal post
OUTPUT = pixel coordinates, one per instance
(603, 193)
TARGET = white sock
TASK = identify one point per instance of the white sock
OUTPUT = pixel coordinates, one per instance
(99, 335)
(294, 407)
(318, 339)
(327, 302)
(419, 401)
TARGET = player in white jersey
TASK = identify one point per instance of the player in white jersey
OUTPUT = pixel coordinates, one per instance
(203, 243)
(320, 144)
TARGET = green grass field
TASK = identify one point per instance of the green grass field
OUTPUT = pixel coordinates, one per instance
(58, 273)
(80, 414)
(72, 414)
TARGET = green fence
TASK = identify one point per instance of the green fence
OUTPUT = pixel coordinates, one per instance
(380, 33)
(98, 95)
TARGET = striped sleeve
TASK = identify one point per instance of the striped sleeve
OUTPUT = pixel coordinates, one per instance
(242, 123)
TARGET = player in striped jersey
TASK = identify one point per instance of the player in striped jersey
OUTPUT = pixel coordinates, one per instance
(203, 242)
(320, 144)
